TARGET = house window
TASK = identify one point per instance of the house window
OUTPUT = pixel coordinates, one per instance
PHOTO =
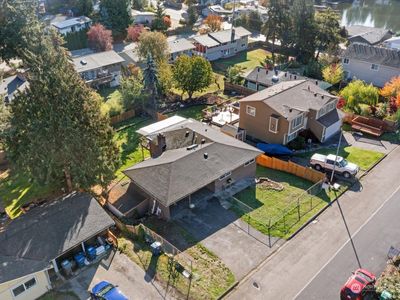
(292, 136)
(249, 162)
(374, 67)
(24, 287)
(295, 123)
(346, 61)
(250, 110)
(223, 176)
(273, 124)
(243, 45)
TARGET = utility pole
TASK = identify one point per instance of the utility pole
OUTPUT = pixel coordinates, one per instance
(337, 153)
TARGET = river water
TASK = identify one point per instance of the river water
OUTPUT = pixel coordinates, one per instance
(375, 13)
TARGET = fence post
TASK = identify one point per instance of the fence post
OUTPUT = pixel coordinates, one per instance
(248, 224)
(298, 208)
(284, 223)
(269, 232)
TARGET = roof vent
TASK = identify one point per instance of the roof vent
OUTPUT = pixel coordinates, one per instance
(276, 72)
(187, 133)
(316, 82)
(192, 147)
(308, 87)
(258, 69)
(205, 155)
(295, 77)
(203, 141)
(322, 97)
(83, 62)
(315, 94)
(285, 74)
(266, 71)
(275, 79)
(290, 76)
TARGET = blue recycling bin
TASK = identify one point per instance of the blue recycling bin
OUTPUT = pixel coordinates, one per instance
(91, 253)
(80, 259)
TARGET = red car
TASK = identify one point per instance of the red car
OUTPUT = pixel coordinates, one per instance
(359, 286)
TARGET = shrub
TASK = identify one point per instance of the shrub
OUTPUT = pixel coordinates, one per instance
(113, 107)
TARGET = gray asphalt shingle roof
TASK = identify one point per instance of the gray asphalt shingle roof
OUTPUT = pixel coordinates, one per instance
(96, 60)
(71, 22)
(179, 172)
(205, 40)
(224, 36)
(180, 45)
(371, 35)
(289, 98)
(265, 77)
(31, 241)
(12, 84)
(373, 54)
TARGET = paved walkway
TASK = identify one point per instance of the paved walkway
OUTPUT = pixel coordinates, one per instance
(129, 277)
(288, 271)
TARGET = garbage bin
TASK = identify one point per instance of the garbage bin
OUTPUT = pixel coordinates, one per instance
(385, 295)
(80, 259)
(66, 265)
(91, 253)
(156, 248)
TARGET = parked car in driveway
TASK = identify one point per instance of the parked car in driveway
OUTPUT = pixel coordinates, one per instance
(360, 286)
(106, 291)
(327, 162)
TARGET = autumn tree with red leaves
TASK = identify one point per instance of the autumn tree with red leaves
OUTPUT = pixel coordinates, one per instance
(391, 90)
(134, 32)
(99, 38)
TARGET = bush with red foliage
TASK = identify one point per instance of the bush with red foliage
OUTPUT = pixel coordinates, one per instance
(99, 38)
(341, 103)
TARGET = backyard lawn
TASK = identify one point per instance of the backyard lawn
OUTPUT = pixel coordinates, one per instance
(364, 158)
(16, 190)
(247, 59)
(194, 112)
(215, 87)
(268, 206)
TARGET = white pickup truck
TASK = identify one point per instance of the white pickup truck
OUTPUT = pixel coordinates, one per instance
(326, 162)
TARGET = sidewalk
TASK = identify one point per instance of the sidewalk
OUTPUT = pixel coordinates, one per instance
(284, 274)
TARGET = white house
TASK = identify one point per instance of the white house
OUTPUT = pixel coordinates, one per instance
(142, 17)
(225, 43)
(373, 64)
(72, 24)
(179, 47)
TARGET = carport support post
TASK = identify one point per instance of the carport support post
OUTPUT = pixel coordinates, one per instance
(56, 269)
(83, 247)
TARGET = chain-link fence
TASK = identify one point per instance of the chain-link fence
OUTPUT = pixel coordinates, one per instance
(270, 230)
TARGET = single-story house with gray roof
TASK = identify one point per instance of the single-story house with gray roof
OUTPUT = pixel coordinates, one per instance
(33, 245)
(179, 47)
(191, 162)
(261, 78)
(373, 64)
(279, 113)
(221, 44)
(102, 68)
(72, 24)
(367, 35)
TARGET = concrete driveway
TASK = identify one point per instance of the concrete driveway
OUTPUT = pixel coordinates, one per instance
(223, 233)
(119, 270)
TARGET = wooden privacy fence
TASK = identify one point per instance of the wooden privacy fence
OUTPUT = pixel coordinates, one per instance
(241, 90)
(290, 167)
(122, 117)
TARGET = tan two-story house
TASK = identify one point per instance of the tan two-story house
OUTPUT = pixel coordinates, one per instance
(279, 113)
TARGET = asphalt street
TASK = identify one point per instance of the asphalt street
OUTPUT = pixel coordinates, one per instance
(371, 244)
(318, 260)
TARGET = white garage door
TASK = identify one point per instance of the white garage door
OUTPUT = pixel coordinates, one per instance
(331, 130)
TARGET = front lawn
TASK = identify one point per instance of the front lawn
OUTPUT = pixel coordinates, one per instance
(246, 59)
(361, 157)
(269, 206)
(210, 275)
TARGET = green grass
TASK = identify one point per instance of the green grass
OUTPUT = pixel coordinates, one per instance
(55, 295)
(210, 275)
(363, 158)
(16, 190)
(392, 137)
(246, 59)
(268, 206)
(194, 112)
(128, 142)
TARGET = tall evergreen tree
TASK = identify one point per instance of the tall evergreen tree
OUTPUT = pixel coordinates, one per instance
(115, 16)
(158, 22)
(58, 134)
(304, 29)
(151, 83)
(278, 26)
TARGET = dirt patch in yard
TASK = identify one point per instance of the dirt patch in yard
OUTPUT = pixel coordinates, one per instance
(268, 184)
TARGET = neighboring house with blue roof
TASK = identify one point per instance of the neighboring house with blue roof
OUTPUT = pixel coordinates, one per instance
(9, 86)
(72, 24)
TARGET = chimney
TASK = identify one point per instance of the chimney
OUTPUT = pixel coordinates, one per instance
(232, 34)
(205, 155)
(285, 74)
(157, 149)
(295, 77)
(258, 69)
(266, 71)
(276, 72)
(290, 76)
